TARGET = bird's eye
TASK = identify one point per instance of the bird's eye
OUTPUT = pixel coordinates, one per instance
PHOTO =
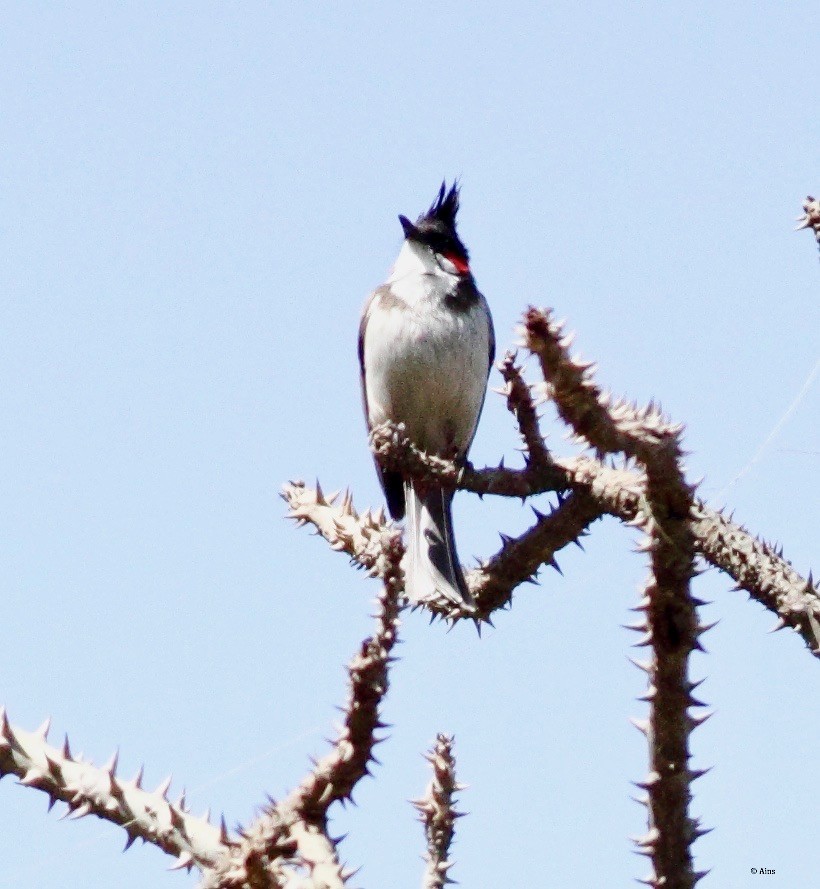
(452, 264)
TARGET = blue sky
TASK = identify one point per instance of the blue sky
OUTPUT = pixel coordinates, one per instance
(196, 199)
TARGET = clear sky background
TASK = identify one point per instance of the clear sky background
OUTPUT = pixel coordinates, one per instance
(196, 199)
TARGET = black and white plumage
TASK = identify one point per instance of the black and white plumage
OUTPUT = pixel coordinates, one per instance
(426, 344)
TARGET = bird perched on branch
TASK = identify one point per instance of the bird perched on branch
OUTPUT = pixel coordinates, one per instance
(426, 344)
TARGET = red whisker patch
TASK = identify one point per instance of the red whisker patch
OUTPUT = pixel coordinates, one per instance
(461, 264)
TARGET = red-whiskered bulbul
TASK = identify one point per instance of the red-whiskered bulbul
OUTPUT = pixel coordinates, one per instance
(426, 344)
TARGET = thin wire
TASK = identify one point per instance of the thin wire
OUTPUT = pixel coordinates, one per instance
(807, 384)
(257, 759)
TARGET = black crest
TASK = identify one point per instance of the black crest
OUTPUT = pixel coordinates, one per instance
(444, 208)
(437, 227)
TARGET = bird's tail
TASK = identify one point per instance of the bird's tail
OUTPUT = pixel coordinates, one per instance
(432, 568)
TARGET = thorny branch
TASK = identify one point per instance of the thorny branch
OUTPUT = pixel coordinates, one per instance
(289, 844)
(754, 565)
(296, 828)
(437, 813)
(648, 491)
(670, 624)
(93, 790)
(521, 405)
(811, 217)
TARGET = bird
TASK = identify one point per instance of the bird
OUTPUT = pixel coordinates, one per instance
(426, 346)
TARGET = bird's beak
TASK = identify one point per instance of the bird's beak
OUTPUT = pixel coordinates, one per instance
(409, 229)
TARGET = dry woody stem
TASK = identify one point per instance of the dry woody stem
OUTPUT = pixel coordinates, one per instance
(648, 490)
(755, 566)
(635, 475)
(295, 830)
(92, 790)
(811, 217)
(437, 812)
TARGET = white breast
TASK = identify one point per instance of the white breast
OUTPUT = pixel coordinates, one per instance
(426, 363)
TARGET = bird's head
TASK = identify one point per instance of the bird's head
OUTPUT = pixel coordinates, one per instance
(434, 233)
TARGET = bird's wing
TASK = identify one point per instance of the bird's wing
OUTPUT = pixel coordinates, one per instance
(391, 482)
